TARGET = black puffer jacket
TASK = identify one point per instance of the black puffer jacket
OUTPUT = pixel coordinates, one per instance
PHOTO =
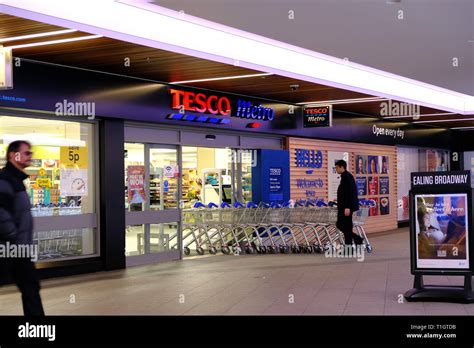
(16, 221)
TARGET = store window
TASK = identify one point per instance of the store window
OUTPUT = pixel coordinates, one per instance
(216, 175)
(61, 183)
(432, 160)
(412, 159)
(469, 164)
(163, 178)
(159, 165)
(407, 162)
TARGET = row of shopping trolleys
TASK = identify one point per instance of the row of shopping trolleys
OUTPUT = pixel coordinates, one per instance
(304, 226)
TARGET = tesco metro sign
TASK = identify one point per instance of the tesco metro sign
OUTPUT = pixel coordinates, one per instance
(216, 105)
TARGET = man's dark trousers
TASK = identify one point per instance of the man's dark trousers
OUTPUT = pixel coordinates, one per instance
(344, 223)
(23, 273)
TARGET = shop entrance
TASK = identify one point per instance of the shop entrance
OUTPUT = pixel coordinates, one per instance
(152, 196)
(161, 180)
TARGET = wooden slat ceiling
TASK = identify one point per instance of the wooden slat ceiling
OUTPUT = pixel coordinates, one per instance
(11, 26)
(108, 55)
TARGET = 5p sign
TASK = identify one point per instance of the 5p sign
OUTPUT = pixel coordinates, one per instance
(73, 157)
(317, 116)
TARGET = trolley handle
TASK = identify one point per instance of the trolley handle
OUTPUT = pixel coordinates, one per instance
(309, 204)
(225, 205)
(198, 205)
(251, 205)
(212, 205)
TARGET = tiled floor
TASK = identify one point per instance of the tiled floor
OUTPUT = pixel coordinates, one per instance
(249, 284)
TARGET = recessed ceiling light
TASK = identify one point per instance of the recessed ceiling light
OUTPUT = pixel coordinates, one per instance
(34, 36)
(55, 42)
(343, 101)
(447, 120)
(422, 115)
(221, 78)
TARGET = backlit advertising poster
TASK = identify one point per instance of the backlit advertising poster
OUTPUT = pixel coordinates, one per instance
(383, 165)
(361, 186)
(441, 231)
(361, 164)
(384, 183)
(372, 165)
(374, 210)
(373, 185)
(384, 206)
(136, 184)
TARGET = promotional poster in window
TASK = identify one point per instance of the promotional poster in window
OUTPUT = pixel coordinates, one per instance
(441, 231)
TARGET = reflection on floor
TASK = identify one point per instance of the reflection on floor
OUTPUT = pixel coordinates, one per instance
(250, 284)
(162, 238)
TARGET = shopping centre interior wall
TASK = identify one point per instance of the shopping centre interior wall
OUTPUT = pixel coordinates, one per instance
(318, 183)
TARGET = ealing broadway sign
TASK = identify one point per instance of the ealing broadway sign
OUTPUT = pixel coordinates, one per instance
(454, 178)
(309, 158)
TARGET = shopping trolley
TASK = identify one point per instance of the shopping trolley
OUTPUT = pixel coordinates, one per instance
(358, 220)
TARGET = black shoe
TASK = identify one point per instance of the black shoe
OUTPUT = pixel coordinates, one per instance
(358, 240)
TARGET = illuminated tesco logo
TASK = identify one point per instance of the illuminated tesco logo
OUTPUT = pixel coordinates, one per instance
(313, 111)
(213, 104)
(199, 102)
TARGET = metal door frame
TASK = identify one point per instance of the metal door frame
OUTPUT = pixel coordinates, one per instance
(147, 217)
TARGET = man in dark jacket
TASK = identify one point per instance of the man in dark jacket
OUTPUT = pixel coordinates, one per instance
(347, 203)
(16, 227)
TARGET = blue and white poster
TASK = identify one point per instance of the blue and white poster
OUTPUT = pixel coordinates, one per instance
(275, 179)
(361, 186)
(384, 183)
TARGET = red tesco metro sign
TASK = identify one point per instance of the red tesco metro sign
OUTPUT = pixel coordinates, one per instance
(199, 102)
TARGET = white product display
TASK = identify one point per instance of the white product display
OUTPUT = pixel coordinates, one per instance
(73, 182)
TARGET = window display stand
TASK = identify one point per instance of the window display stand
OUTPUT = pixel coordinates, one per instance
(439, 293)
